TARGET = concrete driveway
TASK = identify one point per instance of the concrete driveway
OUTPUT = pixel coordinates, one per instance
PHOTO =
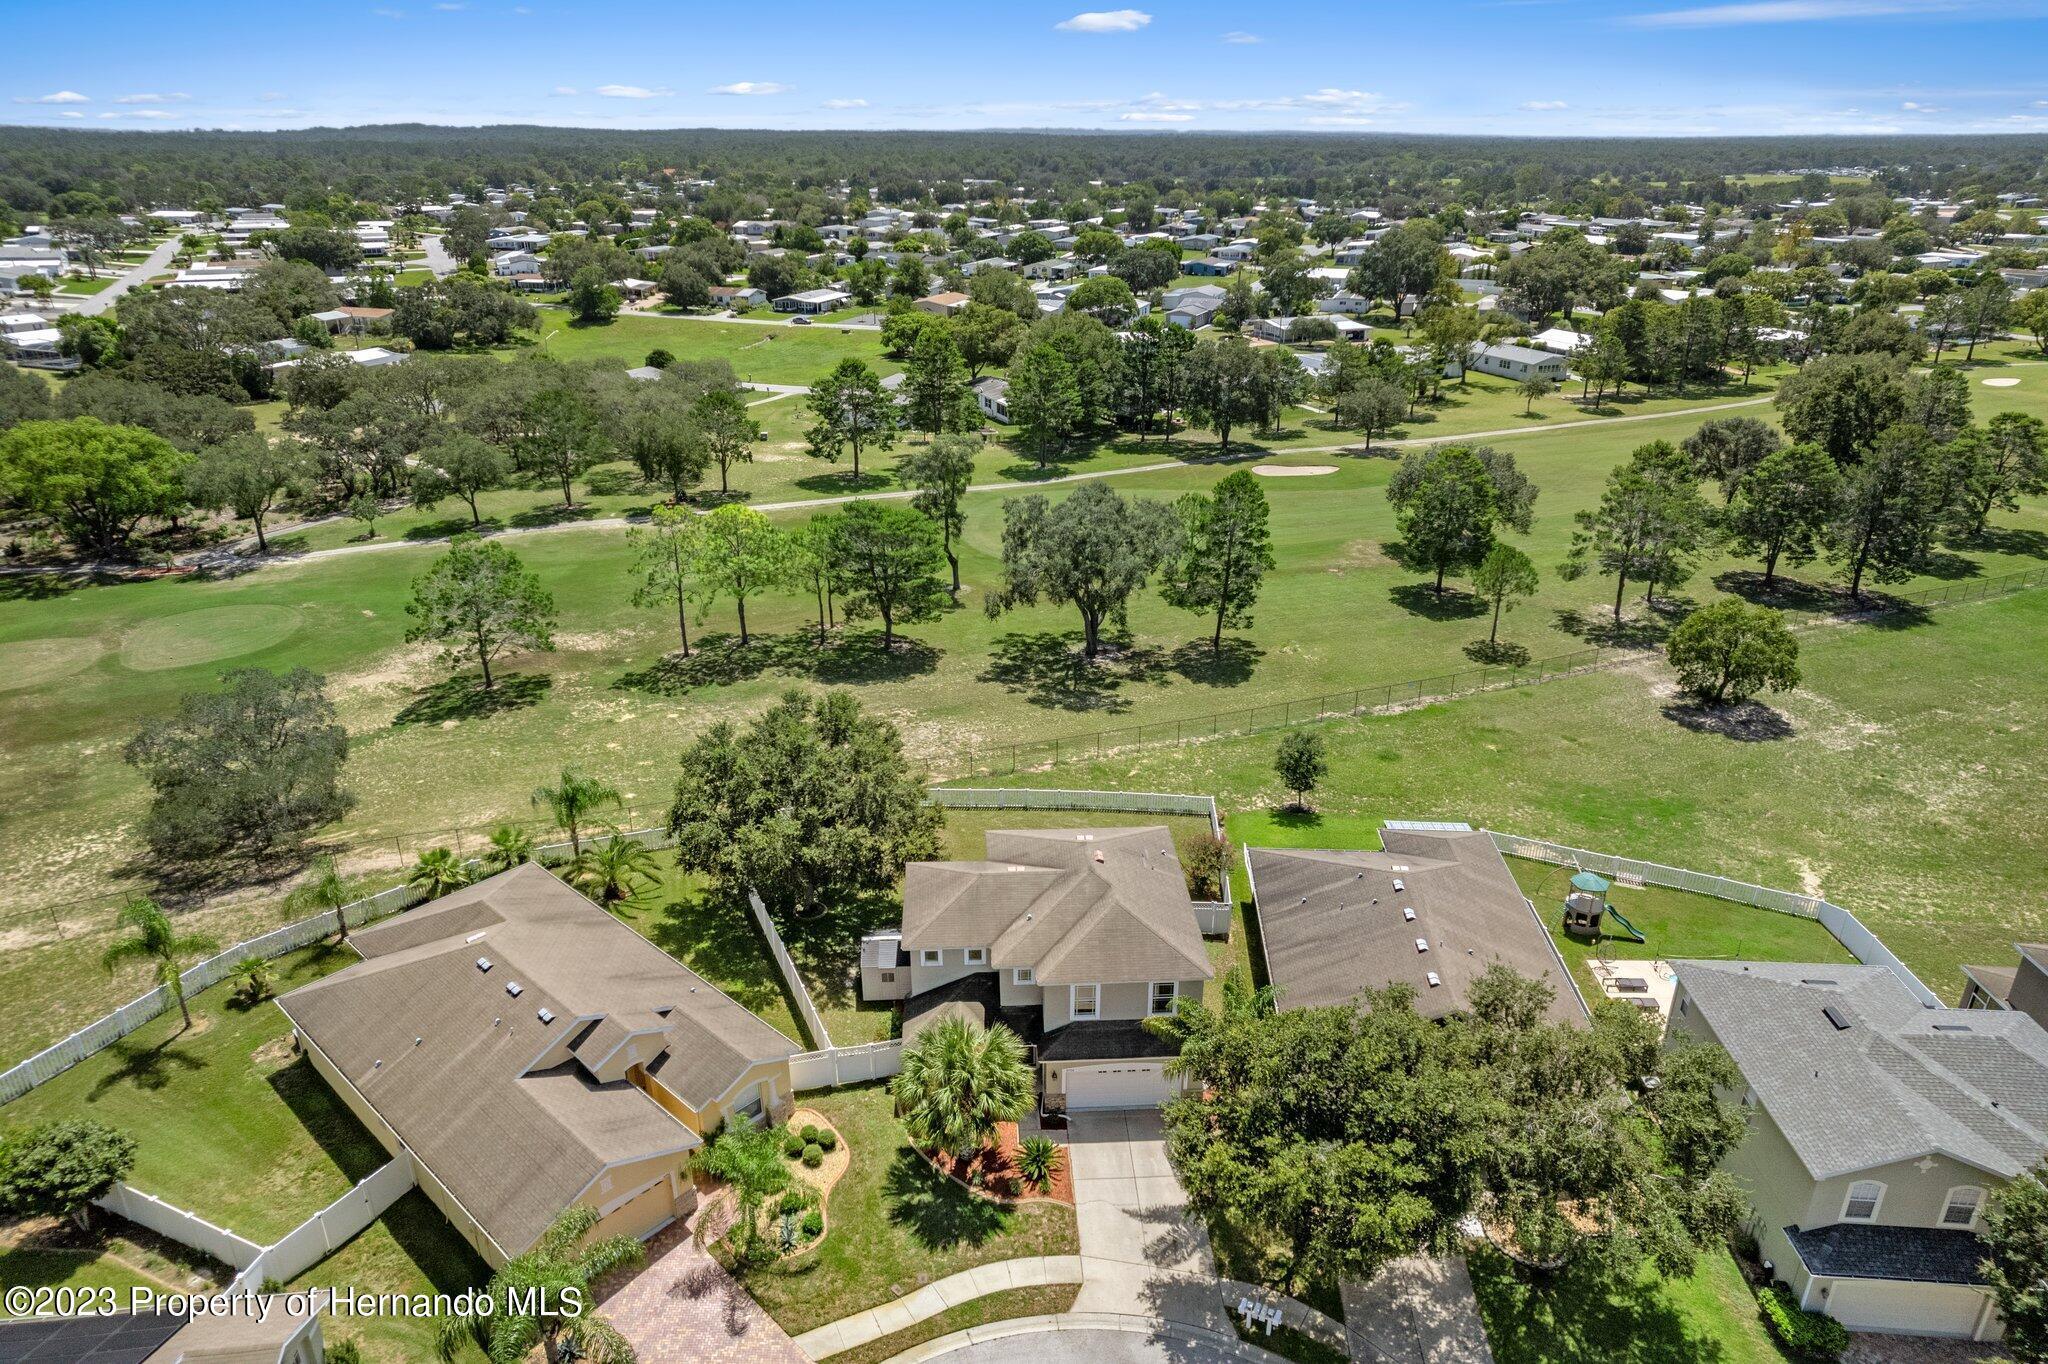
(1142, 1251)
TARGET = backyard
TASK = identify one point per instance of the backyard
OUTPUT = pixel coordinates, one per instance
(895, 1224)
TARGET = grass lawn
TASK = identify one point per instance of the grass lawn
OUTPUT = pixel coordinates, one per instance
(87, 286)
(410, 1249)
(74, 1269)
(768, 355)
(228, 1125)
(1710, 1318)
(1045, 1300)
(894, 1224)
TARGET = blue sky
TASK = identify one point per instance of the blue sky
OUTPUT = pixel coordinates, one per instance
(1592, 67)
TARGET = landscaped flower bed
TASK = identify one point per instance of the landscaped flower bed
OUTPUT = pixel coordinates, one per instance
(992, 1172)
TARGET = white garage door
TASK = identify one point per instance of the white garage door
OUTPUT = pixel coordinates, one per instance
(1905, 1308)
(1135, 1085)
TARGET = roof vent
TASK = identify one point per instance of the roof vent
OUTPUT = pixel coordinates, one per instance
(1098, 855)
(545, 1015)
(1408, 914)
(1812, 980)
(1434, 979)
(1951, 1027)
(483, 963)
(1836, 1017)
(1398, 885)
(513, 987)
(475, 937)
(1422, 944)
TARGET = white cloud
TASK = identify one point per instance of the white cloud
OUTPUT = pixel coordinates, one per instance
(630, 92)
(73, 113)
(151, 99)
(846, 104)
(60, 97)
(1106, 21)
(752, 88)
(565, 90)
(1541, 105)
(1789, 12)
(1330, 95)
(1242, 38)
(1154, 116)
(151, 113)
(1915, 107)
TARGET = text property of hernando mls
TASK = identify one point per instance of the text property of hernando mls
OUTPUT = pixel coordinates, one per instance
(344, 1301)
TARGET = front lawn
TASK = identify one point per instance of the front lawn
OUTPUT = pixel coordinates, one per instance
(1582, 1317)
(894, 1224)
(229, 1124)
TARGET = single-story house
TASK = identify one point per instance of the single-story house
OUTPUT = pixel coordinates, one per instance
(945, 303)
(1517, 362)
(635, 289)
(1561, 340)
(992, 396)
(37, 348)
(1431, 909)
(1194, 313)
(529, 1052)
(1879, 1128)
(813, 301)
(1070, 937)
(516, 264)
(738, 296)
(1210, 266)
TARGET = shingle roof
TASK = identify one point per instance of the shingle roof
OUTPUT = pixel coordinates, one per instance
(498, 1102)
(1850, 1250)
(1901, 1081)
(1334, 924)
(1074, 905)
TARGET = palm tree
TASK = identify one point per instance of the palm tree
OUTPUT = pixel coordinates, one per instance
(327, 890)
(958, 1081)
(749, 1159)
(252, 979)
(608, 870)
(510, 847)
(156, 940)
(543, 1298)
(438, 872)
(573, 801)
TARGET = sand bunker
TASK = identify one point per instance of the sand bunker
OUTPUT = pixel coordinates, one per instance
(2001, 383)
(1292, 470)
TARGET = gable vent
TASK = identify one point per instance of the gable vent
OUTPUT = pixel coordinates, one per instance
(513, 987)
(545, 1015)
(483, 963)
(1836, 1017)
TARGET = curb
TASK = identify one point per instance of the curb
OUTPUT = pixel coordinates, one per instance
(1087, 1321)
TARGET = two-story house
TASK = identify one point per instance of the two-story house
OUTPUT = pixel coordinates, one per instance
(1070, 937)
(1879, 1127)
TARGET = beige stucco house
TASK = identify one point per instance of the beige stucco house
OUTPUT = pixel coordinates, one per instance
(528, 1052)
(1070, 937)
(1879, 1127)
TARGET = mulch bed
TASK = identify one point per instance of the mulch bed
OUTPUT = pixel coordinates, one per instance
(997, 1166)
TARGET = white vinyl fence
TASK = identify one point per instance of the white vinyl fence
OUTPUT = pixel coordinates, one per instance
(845, 1065)
(1847, 929)
(814, 1024)
(187, 1229)
(329, 1229)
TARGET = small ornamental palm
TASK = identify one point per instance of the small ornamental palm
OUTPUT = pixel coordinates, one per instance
(511, 846)
(544, 1298)
(573, 800)
(958, 1081)
(749, 1159)
(437, 872)
(326, 890)
(157, 941)
(609, 871)
(1039, 1159)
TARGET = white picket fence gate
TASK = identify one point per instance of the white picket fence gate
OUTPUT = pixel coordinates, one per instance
(331, 1228)
(845, 1065)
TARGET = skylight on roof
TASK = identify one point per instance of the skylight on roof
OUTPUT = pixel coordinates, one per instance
(1434, 979)
(1422, 944)
(545, 1015)
(513, 987)
(1408, 914)
(483, 963)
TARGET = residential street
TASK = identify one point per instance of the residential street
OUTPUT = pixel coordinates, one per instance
(91, 305)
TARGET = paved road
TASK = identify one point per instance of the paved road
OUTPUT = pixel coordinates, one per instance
(1090, 1345)
(159, 260)
(438, 260)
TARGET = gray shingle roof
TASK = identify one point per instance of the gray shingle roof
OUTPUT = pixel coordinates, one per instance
(1075, 905)
(1333, 923)
(1901, 1081)
(1849, 1250)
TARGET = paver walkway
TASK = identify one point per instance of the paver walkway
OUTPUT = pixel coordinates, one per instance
(1418, 1310)
(1028, 1271)
(683, 1308)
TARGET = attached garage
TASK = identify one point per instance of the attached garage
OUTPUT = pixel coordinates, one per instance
(1915, 1309)
(642, 1213)
(1123, 1084)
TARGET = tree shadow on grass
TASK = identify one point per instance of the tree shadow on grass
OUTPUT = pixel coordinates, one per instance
(1297, 817)
(847, 658)
(1422, 599)
(714, 935)
(1047, 668)
(1787, 594)
(553, 514)
(612, 482)
(327, 1119)
(449, 526)
(1749, 722)
(1021, 472)
(1497, 653)
(869, 481)
(1589, 1311)
(40, 586)
(825, 943)
(2013, 540)
(463, 698)
(1198, 662)
(1603, 630)
(936, 1214)
(147, 1066)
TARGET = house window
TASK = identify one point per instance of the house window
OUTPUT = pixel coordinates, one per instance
(1962, 1206)
(1023, 975)
(1082, 1000)
(888, 977)
(931, 956)
(1684, 1006)
(1865, 1197)
(977, 956)
(1163, 994)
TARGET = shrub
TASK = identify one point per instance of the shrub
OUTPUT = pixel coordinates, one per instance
(810, 1134)
(792, 1144)
(828, 1140)
(1038, 1159)
(1808, 1335)
(813, 1224)
(814, 1156)
(792, 1201)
